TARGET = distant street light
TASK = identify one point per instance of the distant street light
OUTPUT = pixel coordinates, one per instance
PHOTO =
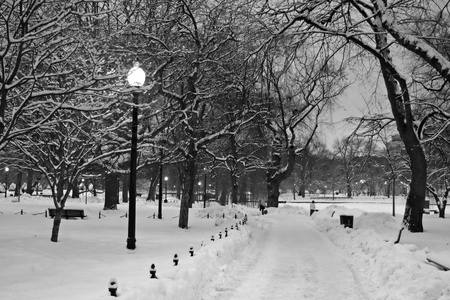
(6, 179)
(136, 78)
(198, 188)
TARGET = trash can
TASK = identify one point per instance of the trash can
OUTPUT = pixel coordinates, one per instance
(347, 221)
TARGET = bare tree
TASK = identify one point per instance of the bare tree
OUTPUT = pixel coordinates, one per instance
(374, 26)
(43, 55)
(62, 150)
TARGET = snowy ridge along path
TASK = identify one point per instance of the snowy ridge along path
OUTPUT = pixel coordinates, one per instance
(289, 259)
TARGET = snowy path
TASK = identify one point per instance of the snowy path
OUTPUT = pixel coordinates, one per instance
(289, 260)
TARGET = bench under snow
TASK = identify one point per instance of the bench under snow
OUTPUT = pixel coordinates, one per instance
(441, 261)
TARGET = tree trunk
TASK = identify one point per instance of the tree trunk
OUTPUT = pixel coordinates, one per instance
(416, 197)
(276, 174)
(273, 193)
(153, 183)
(180, 176)
(18, 184)
(94, 189)
(349, 190)
(111, 191)
(302, 191)
(56, 224)
(75, 187)
(234, 188)
(30, 181)
(442, 210)
(243, 190)
(398, 95)
(188, 190)
(75, 191)
(233, 170)
(125, 187)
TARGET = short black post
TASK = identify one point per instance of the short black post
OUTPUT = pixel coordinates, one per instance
(153, 271)
(226, 232)
(45, 213)
(112, 287)
(154, 215)
(220, 234)
(235, 216)
(191, 251)
(175, 259)
(99, 214)
(207, 216)
(21, 211)
(223, 215)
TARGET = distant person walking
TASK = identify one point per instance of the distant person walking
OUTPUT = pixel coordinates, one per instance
(262, 208)
(312, 208)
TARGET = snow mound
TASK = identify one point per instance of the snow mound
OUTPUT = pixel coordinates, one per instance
(193, 274)
(288, 209)
(216, 211)
(396, 271)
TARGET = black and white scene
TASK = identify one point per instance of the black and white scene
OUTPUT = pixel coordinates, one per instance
(224, 149)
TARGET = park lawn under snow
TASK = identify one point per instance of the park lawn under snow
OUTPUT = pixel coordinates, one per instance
(92, 251)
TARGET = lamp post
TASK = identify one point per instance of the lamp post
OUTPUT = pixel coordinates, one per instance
(198, 190)
(136, 78)
(165, 198)
(204, 192)
(6, 179)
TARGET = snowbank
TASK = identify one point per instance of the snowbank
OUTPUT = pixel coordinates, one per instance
(397, 271)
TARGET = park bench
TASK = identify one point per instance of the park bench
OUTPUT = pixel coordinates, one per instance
(441, 262)
(429, 211)
(68, 213)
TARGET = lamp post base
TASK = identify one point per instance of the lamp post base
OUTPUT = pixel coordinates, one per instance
(131, 243)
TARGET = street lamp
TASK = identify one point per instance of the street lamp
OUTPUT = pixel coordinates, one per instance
(204, 192)
(198, 193)
(136, 78)
(6, 179)
(165, 198)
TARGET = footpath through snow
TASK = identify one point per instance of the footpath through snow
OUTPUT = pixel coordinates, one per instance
(289, 260)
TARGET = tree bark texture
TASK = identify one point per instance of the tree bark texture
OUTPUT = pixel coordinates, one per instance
(277, 173)
(17, 191)
(111, 191)
(125, 187)
(56, 224)
(187, 197)
(30, 181)
(398, 96)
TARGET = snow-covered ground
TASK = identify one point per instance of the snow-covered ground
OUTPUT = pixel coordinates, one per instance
(285, 254)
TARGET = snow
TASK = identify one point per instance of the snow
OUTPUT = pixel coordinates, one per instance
(285, 254)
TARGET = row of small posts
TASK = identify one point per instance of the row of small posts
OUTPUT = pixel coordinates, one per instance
(113, 285)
